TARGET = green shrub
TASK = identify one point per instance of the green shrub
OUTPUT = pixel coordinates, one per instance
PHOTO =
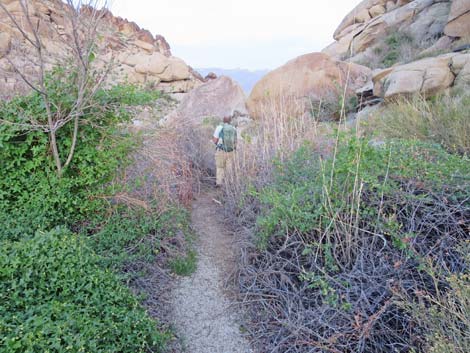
(131, 236)
(54, 297)
(447, 319)
(307, 193)
(32, 195)
(184, 265)
(395, 43)
(62, 292)
(128, 95)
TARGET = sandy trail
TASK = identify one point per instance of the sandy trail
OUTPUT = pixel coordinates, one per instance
(204, 316)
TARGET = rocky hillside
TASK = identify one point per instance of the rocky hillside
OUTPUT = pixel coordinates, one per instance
(423, 27)
(382, 49)
(136, 55)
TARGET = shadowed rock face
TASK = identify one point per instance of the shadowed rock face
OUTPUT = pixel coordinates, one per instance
(314, 76)
(137, 56)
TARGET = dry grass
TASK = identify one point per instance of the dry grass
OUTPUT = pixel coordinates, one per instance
(444, 119)
(162, 169)
(343, 294)
(280, 130)
(446, 316)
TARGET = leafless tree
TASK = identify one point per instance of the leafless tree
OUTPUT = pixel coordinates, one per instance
(77, 36)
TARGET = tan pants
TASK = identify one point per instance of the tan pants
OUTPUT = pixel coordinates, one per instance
(222, 162)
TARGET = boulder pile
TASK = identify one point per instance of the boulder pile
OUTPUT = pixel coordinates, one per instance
(135, 55)
(437, 22)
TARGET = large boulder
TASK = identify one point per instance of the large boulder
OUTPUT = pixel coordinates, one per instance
(430, 22)
(309, 78)
(459, 19)
(213, 99)
(460, 66)
(176, 70)
(153, 64)
(360, 14)
(426, 76)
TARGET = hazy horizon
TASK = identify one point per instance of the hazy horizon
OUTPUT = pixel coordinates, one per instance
(240, 34)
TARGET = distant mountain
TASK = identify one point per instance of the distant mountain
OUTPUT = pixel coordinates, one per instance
(246, 78)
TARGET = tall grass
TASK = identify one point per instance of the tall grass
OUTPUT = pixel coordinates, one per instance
(444, 119)
(282, 127)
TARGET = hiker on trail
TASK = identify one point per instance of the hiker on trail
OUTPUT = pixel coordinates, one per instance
(225, 139)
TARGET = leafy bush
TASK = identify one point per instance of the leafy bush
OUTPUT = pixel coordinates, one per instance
(54, 297)
(131, 236)
(128, 95)
(32, 195)
(62, 292)
(342, 239)
(184, 265)
(395, 42)
(307, 193)
(442, 119)
(398, 47)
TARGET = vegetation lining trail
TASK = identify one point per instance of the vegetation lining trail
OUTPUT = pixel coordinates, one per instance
(203, 314)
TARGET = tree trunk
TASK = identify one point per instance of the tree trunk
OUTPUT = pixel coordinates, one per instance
(55, 153)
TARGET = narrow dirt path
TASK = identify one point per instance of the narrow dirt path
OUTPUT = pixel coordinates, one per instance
(204, 316)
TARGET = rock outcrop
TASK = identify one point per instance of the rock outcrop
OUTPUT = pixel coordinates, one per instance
(426, 21)
(458, 23)
(214, 99)
(309, 78)
(136, 55)
(406, 40)
(426, 76)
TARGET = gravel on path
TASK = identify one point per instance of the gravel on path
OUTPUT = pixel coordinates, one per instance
(206, 320)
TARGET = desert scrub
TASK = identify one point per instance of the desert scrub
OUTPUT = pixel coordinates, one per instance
(397, 47)
(395, 43)
(446, 316)
(442, 119)
(342, 240)
(55, 297)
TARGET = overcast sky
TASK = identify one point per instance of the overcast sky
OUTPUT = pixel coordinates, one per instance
(251, 34)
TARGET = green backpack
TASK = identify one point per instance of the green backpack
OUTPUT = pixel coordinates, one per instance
(229, 137)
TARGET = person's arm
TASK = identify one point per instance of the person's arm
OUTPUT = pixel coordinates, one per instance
(236, 139)
(215, 137)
